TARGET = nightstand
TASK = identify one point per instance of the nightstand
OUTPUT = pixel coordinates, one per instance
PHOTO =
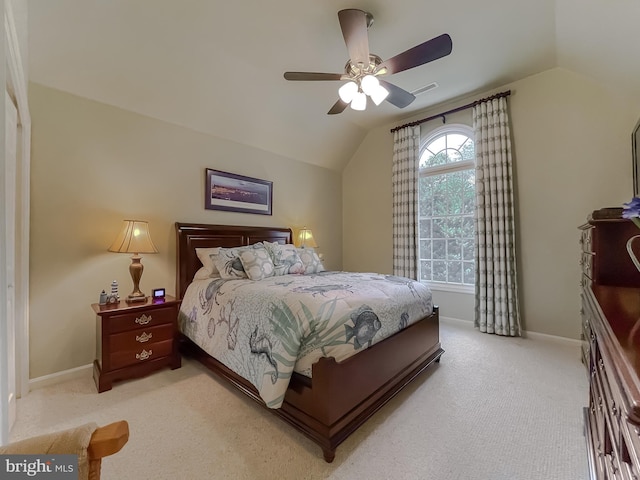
(134, 339)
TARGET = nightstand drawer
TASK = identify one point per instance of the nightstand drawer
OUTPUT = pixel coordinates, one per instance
(142, 319)
(141, 354)
(134, 339)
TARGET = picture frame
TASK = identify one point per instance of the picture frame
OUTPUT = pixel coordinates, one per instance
(635, 149)
(231, 192)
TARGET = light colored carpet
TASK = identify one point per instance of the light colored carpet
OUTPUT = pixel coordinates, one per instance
(494, 408)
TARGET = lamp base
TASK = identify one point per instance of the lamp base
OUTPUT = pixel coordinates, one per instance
(136, 299)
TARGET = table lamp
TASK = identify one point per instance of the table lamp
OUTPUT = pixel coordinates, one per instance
(305, 238)
(134, 238)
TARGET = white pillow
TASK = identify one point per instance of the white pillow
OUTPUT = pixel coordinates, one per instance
(310, 260)
(206, 256)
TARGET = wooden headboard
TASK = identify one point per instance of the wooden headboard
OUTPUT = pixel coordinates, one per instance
(190, 236)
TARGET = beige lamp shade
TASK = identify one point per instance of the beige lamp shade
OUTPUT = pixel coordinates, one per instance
(134, 238)
(305, 238)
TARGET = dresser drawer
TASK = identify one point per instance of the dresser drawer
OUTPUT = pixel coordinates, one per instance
(145, 319)
(141, 354)
(134, 339)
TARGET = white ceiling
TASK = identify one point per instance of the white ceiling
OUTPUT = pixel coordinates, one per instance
(216, 66)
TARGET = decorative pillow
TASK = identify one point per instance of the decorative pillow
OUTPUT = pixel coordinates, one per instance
(257, 263)
(206, 256)
(228, 262)
(285, 258)
(310, 260)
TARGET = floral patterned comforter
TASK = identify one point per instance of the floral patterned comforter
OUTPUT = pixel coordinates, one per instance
(264, 330)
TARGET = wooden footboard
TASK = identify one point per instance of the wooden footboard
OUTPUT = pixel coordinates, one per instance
(342, 396)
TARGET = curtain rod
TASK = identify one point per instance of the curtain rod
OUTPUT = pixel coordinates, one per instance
(454, 110)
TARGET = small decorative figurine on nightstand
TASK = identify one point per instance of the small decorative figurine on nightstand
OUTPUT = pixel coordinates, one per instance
(114, 289)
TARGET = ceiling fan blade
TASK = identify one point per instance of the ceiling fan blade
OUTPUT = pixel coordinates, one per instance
(353, 23)
(338, 107)
(312, 76)
(426, 52)
(397, 96)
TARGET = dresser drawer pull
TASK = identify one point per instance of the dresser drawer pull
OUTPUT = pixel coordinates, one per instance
(143, 320)
(145, 337)
(601, 364)
(144, 355)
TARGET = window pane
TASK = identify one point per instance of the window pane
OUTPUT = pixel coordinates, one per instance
(455, 272)
(452, 155)
(454, 249)
(468, 228)
(425, 228)
(439, 271)
(425, 249)
(439, 249)
(468, 150)
(439, 227)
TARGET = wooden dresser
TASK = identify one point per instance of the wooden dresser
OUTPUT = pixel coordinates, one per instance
(135, 339)
(611, 346)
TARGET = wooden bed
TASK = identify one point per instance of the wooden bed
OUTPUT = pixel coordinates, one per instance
(341, 396)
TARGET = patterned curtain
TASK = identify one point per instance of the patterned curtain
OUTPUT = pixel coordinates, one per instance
(497, 310)
(406, 151)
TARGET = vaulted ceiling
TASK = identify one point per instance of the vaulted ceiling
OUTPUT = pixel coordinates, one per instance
(216, 66)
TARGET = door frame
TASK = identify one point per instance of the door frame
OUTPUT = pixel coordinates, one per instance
(16, 85)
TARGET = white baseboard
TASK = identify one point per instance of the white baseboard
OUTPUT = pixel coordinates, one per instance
(525, 334)
(457, 321)
(86, 370)
(59, 377)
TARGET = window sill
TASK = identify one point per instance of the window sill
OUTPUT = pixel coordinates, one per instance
(448, 287)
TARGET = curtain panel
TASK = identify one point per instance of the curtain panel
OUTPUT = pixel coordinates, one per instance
(406, 152)
(496, 304)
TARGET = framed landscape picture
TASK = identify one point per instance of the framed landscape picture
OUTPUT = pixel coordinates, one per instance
(237, 193)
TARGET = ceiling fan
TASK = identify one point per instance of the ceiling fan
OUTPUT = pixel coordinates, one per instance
(363, 68)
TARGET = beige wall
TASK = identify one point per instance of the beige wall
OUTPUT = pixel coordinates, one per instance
(572, 155)
(95, 165)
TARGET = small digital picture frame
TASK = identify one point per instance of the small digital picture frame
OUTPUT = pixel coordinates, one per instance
(158, 294)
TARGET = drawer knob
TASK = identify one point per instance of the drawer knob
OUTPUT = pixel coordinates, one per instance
(144, 319)
(145, 337)
(144, 355)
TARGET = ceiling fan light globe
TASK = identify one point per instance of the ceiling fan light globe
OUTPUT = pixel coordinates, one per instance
(359, 101)
(379, 95)
(348, 91)
(369, 84)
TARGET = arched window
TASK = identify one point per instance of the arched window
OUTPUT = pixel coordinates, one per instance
(446, 209)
